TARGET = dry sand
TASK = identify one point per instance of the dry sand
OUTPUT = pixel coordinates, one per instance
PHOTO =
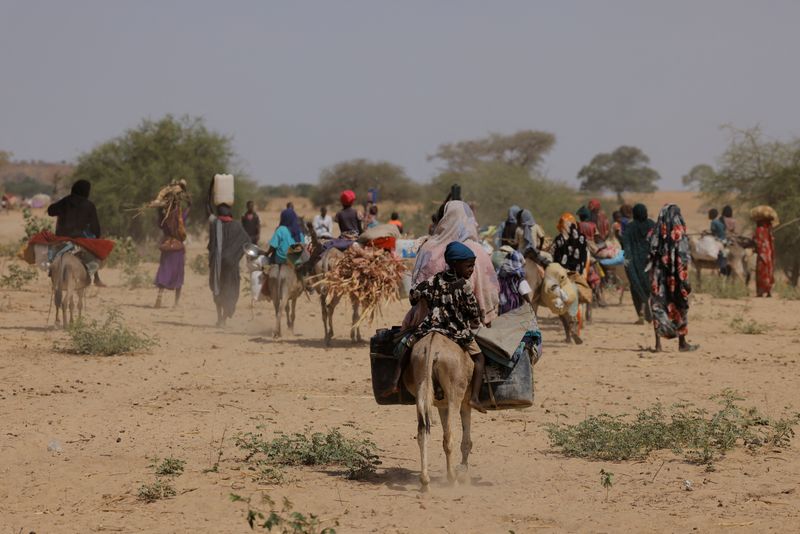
(112, 414)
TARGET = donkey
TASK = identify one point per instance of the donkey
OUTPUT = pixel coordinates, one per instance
(69, 277)
(284, 289)
(323, 262)
(550, 281)
(738, 256)
(435, 357)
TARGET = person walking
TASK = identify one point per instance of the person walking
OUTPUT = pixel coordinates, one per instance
(226, 241)
(668, 266)
(636, 244)
(171, 263)
(252, 223)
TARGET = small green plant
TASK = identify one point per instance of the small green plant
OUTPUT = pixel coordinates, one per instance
(723, 288)
(156, 491)
(18, 277)
(168, 466)
(356, 455)
(109, 338)
(606, 480)
(200, 264)
(9, 250)
(748, 327)
(34, 224)
(700, 436)
(284, 520)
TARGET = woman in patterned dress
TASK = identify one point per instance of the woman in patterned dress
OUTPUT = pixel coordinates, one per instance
(669, 278)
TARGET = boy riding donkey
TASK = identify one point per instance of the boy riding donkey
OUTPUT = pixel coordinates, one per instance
(453, 310)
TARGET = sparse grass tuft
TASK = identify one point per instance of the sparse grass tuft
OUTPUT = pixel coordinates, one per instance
(787, 291)
(285, 520)
(109, 338)
(135, 278)
(18, 277)
(721, 287)
(156, 491)
(356, 455)
(749, 327)
(168, 466)
(200, 264)
(700, 436)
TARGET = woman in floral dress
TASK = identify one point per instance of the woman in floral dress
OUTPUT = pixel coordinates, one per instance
(669, 278)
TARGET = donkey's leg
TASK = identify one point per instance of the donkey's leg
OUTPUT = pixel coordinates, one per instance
(422, 440)
(81, 293)
(448, 443)
(276, 302)
(466, 435)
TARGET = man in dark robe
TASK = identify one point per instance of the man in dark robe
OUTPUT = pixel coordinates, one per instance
(252, 223)
(226, 241)
(76, 216)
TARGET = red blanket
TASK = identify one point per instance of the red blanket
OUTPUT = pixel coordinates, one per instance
(99, 247)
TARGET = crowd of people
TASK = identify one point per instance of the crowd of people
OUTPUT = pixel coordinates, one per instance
(456, 283)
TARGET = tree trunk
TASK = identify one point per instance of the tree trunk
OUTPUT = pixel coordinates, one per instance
(794, 276)
(619, 198)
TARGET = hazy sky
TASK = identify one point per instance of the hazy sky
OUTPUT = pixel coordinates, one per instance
(301, 85)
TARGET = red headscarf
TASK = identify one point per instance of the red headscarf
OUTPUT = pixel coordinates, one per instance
(347, 198)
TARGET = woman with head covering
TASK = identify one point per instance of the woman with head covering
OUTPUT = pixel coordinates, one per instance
(348, 220)
(569, 246)
(529, 237)
(171, 264)
(765, 259)
(226, 241)
(507, 230)
(288, 232)
(636, 245)
(599, 218)
(668, 266)
(458, 224)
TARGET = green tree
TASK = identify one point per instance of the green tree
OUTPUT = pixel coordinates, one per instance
(525, 149)
(126, 172)
(755, 170)
(626, 169)
(697, 175)
(5, 158)
(494, 187)
(360, 175)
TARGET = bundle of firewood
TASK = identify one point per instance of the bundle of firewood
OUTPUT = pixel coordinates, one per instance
(371, 275)
(169, 197)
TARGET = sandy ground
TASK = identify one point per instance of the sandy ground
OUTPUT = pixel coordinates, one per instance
(187, 397)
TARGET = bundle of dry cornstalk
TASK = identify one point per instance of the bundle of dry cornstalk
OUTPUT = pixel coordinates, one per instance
(371, 275)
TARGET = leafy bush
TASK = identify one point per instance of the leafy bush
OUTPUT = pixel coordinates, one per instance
(156, 491)
(129, 170)
(109, 338)
(749, 327)
(495, 187)
(124, 253)
(356, 455)
(34, 224)
(682, 429)
(787, 291)
(17, 276)
(284, 521)
(360, 175)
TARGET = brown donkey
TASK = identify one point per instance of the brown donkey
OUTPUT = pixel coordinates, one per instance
(435, 357)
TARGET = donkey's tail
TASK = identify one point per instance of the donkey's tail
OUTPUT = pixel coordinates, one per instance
(425, 391)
